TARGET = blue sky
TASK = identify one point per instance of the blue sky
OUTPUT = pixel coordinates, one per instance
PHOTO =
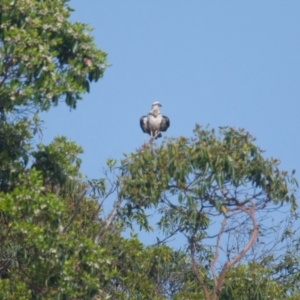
(223, 63)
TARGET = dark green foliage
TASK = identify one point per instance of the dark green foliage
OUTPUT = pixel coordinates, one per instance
(14, 151)
(44, 57)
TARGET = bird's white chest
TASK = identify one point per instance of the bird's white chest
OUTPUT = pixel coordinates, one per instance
(154, 122)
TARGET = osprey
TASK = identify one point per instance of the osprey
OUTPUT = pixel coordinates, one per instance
(154, 122)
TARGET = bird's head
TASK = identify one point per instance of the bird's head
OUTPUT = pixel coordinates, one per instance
(154, 104)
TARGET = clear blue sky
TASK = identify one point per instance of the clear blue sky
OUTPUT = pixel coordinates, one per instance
(223, 63)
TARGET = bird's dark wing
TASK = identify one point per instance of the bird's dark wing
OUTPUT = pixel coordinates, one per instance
(165, 123)
(144, 124)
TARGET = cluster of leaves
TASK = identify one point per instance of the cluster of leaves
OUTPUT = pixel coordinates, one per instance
(43, 262)
(44, 57)
(208, 175)
(256, 282)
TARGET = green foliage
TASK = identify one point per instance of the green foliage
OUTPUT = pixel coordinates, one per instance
(15, 144)
(286, 267)
(152, 272)
(44, 57)
(58, 162)
(44, 262)
(209, 176)
(255, 282)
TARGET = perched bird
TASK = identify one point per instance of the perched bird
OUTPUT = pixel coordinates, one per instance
(154, 122)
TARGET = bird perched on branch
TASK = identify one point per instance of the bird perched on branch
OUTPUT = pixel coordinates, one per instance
(154, 123)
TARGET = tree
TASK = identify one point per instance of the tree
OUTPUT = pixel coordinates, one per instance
(44, 58)
(209, 179)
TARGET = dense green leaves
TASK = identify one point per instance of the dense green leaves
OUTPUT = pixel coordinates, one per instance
(41, 259)
(44, 57)
(15, 146)
(204, 172)
(256, 283)
(58, 162)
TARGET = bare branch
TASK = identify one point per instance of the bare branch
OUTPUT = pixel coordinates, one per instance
(250, 212)
(160, 242)
(196, 271)
(108, 221)
(63, 229)
(213, 262)
(110, 192)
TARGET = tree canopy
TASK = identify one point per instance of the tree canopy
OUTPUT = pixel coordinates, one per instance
(44, 56)
(197, 182)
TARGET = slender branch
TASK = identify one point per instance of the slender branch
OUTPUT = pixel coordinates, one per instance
(111, 191)
(155, 136)
(159, 242)
(108, 221)
(196, 271)
(212, 264)
(250, 212)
